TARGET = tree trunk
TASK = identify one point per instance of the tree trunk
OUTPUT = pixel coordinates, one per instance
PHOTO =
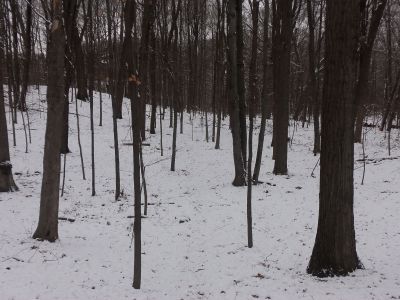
(240, 78)
(175, 98)
(147, 25)
(220, 68)
(16, 65)
(91, 62)
(7, 183)
(47, 228)
(313, 91)
(334, 251)
(28, 50)
(232, 37)
(153, 82)
(253, 97)
(366, 45)
(264, 96)
(282, 36)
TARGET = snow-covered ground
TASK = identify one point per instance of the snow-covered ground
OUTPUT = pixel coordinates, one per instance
(194, 238)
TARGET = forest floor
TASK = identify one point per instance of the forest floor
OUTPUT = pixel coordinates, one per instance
(194, 237)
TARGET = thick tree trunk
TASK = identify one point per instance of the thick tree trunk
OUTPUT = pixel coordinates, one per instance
(282, 38)
(147, 25)
(47, 228)
(334, 251)
(7, 183)
(241, 78)
(232, 37)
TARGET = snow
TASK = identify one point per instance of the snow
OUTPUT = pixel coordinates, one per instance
(194, 237)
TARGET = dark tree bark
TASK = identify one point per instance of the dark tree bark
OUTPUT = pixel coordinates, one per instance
(47, 228)
(153, 82)
(28, 50)
(391, 103)
(253, 98)
(232, 37)
(176, 97)
(241, 79)
(334, 251)
(147, 27)
(220, 68)
(264, 96)
(7, 183)
(122, 69)
(74, 64)
(112, 85)
(16, 66)
(312, 79)
(128, 58)
(282, 30)
(13, 40)
(10, 80)
(368, 32)
(136, 111)
(91, 62)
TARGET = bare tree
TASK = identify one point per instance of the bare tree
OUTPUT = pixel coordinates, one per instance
(47, 228)
(334, 251)
(232, 87)
(371, 15)
(253, 98)
(284, 12)
(264, 96)
(7, 183)
(312, 78)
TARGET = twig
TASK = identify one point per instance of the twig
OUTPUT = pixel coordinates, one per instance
(312, 173)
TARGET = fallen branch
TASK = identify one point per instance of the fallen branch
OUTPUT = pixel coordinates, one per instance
(375, 160)
(66, 219)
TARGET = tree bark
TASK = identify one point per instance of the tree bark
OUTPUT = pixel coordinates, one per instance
(366, 45)
(232, 37)
(264, 96)
(47, 228)
(28, 50)
(16, 66)
(253, 98)
(334, 251)
(7, 183)
(153, 82)
(282, 36)
(241, 78)
(313, 91)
